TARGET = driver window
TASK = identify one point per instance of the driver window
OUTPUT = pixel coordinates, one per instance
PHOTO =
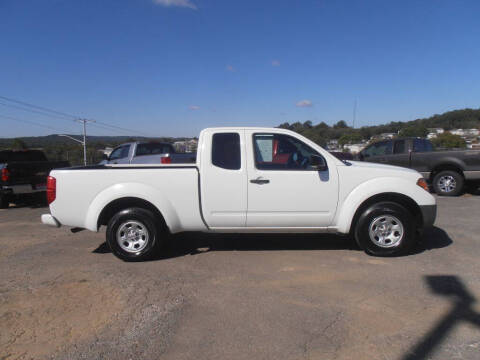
(282, 152)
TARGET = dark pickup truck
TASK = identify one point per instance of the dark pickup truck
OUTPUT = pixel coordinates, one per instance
(23, 173)
(447, 171)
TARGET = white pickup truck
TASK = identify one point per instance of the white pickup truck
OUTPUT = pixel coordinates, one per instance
(244, 180)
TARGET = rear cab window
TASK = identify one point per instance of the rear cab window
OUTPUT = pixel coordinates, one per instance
(22, 156)
(422, 145)
(153, 149)
(120, 153)
(226, 151)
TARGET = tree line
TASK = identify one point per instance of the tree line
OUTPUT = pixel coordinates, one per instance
(60, 148)
(458, 119)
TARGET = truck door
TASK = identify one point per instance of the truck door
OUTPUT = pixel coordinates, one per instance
(284, 190)
(223, 179)
(401, 153)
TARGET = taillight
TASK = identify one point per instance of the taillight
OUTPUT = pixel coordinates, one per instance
(5, 175)
(166, 160)
(51, 189)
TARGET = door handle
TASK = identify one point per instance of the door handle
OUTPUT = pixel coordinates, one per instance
(259, 181)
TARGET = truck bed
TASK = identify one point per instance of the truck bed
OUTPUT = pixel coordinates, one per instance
(175, 185)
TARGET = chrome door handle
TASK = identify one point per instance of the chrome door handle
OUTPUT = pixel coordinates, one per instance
(259, 181)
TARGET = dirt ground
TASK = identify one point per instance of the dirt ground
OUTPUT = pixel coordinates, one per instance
(65, 296)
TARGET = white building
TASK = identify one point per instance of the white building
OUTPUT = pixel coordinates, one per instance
(186, 146)
(354, 148)
(433, 132)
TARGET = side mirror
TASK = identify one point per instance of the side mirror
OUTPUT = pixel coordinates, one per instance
(361, 156)
(104, 157)
(318, 163)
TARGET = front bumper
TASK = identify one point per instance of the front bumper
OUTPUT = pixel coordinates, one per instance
(429, 213)
(49, 220)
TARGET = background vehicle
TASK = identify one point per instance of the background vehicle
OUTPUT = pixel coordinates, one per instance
(244, 180)
(24, 173)
(342, 155)
(148, 153)
(447, 171)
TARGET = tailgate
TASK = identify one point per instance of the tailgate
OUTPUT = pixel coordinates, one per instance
(34, 173)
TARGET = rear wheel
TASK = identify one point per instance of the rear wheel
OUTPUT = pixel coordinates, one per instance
(385, 229)
(134, 234)
(448, 183)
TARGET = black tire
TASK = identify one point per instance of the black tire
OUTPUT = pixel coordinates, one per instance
(153, 234)
(4, 203)
(455, 184)
(384, 246)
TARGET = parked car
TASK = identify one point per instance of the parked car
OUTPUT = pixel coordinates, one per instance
(24, 174)
(148, 153)
(447, 171)
(244, 180)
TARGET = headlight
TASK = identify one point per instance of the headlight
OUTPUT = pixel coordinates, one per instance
(423, 184)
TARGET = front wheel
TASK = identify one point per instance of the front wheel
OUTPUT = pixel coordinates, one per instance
(385, 229)
(134, 234)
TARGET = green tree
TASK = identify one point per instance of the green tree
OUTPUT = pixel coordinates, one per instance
(414, 131)
(350, 138)
(340, 125)
(449, 141)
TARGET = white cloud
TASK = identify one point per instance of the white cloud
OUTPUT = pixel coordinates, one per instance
(179, 3)
(194, 107)
(230, 68)
(304, 103)
(275, 63)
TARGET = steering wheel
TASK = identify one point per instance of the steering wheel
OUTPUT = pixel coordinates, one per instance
(300, 160)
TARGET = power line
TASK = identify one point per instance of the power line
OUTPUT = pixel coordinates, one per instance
(57, 129)
(39, 107)
(121, 128)
(32, 111)
(30, 122)
(45, 111)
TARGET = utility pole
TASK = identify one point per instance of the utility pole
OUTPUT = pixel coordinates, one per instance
(84, 122)
(84, 142)
(354, 112)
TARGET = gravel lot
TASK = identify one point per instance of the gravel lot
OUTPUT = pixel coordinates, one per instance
(64, 296)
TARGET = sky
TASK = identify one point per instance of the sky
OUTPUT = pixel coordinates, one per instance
(174, 67)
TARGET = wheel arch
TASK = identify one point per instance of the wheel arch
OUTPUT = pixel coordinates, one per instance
(127, 195)
(401, 199)
(449, 166)
(129, 202)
